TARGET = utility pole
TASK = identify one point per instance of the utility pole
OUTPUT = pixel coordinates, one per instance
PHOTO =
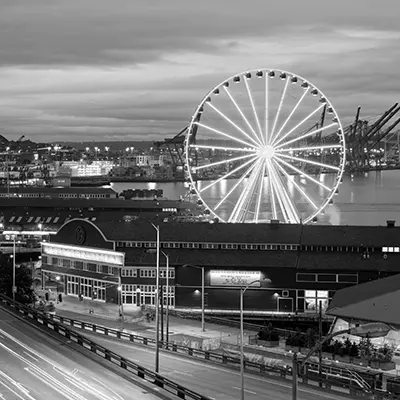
(320, 340)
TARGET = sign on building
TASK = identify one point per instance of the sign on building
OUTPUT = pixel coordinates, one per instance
(234, 278)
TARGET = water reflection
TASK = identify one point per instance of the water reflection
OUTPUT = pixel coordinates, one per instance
(369, 199)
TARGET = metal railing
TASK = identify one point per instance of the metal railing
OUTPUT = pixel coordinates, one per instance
(122, 362)
(331, 376)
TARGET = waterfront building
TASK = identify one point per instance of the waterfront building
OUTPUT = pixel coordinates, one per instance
(305, 264)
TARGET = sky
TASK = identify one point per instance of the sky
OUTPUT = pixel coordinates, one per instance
(107, 70)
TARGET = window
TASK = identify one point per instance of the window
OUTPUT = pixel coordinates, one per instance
(348, 278)
(131, 272)
(171, 273)
(85, 266)
(147, 294)
(73, 285)
(147, 273)
(306, 277)
(99, 290)
(327, 278)
(129, 294)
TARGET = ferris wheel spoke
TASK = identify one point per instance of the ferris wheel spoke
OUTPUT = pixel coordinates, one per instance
(241, 113)
(278, 196)
(249, 199)
(289, 117)
(260, 137)
(278, 111)
(233, 124)
(223, 134)
(322, 147)
(296, 139)
(239, 206)
(290, 208)
(223, 162)
(239, 149)
(300, 172)
(272, 194)
(266, 109)
(241, 179)
(276, 142)
(299, 189)
(229, 174)
(305, 160)
(260, 193)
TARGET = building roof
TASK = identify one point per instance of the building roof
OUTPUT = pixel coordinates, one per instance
(372, 301)
(202, 232)
(360, 236)
(221, 258)
(313, 235)
(110, 203)
(35, 189)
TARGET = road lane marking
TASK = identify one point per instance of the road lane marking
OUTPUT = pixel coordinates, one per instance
(82, 384)
(15, 383)
(30, 355)
(266, 379)
(14, 392)
(182, 373)
(64, 391)
(246, 390)
(103, 384)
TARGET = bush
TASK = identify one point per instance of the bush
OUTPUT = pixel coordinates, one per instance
(354, 350)
(268, 334)
(295, 339)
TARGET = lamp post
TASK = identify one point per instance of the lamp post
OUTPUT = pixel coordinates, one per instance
(14, 287)
(203, 324)
(157, 299)
(167, 285)
(242, 291)
(371, 330)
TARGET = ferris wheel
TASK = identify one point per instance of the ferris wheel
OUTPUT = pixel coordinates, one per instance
(265, 145)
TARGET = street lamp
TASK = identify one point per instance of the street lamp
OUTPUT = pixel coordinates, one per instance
(157, 299)
(120, 302)
(242, 291)
(371, 330)
(203, 327)
(14, 287)
(167, 287)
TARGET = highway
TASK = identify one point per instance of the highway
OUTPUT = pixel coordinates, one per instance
(211, 380)
(34, 366)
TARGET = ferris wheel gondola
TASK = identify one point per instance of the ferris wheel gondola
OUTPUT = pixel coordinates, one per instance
(250, 156)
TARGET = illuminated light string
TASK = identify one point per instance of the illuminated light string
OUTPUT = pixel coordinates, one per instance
(267, 155)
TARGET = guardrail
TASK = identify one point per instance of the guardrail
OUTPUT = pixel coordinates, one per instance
(58, 324)
(250, 366)
(128, 365)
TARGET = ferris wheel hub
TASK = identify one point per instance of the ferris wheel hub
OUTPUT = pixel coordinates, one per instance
(267, 152)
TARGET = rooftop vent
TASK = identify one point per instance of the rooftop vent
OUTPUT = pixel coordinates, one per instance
(274, 221)
(390, 224)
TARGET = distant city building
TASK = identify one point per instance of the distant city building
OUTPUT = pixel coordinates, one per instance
(83, 168)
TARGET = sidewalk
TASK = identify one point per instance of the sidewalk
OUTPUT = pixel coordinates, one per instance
(183, 331)
(106, 314)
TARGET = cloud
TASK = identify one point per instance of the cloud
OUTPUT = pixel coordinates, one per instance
(134, 69)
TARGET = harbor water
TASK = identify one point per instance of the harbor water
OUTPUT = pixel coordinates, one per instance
(365, 199)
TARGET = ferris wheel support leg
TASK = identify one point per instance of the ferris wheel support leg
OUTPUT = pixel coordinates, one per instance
(260, 194)
(283, 202)
(237, 213)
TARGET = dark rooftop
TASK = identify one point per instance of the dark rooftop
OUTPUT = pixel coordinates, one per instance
(372, 301)
(35, 189)
(202, 232)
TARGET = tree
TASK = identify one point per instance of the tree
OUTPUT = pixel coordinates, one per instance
(23, 280)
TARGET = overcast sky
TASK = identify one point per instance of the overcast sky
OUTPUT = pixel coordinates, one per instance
(136, 69)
